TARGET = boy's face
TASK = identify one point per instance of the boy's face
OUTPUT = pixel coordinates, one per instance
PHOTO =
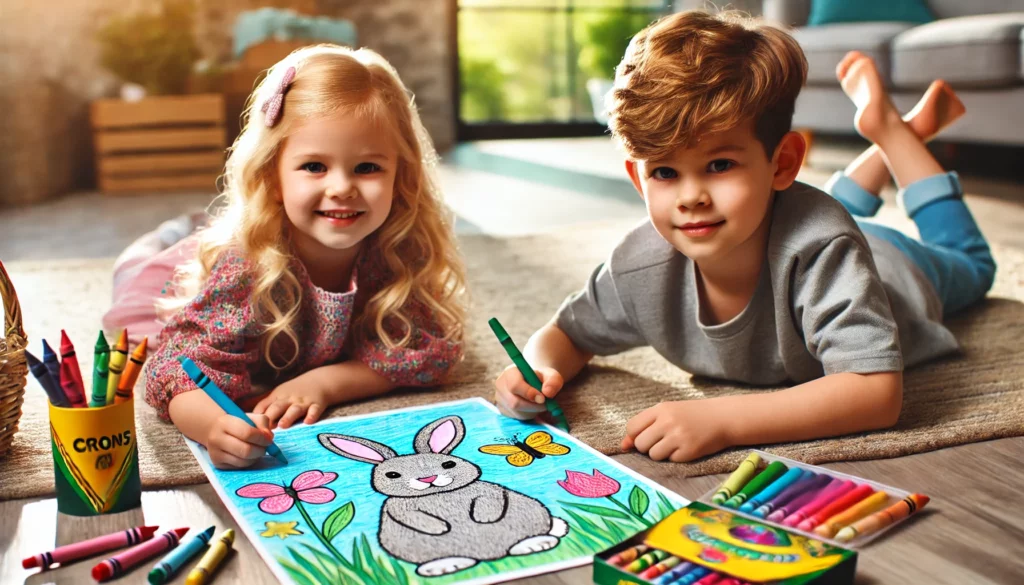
(709, 200)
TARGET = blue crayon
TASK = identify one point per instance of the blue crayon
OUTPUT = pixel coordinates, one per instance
(213, 391)
(692, 576)
(170, 564)
(675, 573)
(812, 482)
(42, 374)
(792, 476)
(51, 363)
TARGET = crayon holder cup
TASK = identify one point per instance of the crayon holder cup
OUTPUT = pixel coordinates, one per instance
(95, 459)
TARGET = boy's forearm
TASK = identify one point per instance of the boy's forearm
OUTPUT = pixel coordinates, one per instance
(351, 380)
(194, 413)
(833, 405)
(550, 347)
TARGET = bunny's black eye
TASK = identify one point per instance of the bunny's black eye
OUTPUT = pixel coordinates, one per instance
(448, 464)
(393, 474)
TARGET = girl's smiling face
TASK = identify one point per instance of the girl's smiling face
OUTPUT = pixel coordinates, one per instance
(337, 178)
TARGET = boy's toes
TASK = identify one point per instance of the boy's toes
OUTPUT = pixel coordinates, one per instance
(844, 64)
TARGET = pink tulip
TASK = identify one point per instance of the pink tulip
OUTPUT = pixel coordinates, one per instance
(279, 499)
(583, 485)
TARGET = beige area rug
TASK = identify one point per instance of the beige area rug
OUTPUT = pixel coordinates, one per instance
(975, 396)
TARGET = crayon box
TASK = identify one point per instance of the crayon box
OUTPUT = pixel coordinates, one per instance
(95, 459)
(746, 550)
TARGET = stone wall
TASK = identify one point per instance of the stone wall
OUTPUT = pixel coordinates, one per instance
(49, 72)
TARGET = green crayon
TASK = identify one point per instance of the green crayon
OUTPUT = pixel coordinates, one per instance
(99, 373)
(770, 474)
(528, 374)
(648, 560)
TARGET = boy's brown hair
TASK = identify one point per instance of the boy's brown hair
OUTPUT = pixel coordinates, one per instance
(692, 73)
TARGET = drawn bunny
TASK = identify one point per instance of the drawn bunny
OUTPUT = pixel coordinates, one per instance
(438, 513)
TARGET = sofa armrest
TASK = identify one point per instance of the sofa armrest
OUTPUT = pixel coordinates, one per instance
(788, 12)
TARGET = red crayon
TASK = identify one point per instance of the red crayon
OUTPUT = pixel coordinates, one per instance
(70, 373)
(120, 563)
(859, 493)
(711, 579)
(819, 502)
(87, 548)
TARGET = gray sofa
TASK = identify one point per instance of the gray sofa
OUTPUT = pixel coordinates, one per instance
(975, 45)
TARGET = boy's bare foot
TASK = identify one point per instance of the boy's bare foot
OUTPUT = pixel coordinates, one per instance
(938, 107)
(875, 111)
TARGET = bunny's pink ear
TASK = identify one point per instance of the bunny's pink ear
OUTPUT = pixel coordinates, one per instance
(440, 436)
(356, 448)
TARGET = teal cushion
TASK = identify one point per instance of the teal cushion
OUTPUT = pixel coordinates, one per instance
(833, 11)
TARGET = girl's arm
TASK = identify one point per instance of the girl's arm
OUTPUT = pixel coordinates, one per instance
(836, 404)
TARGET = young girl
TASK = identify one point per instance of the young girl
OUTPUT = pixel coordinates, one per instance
(331, 274)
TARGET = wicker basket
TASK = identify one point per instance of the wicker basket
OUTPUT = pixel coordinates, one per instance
(13, 368)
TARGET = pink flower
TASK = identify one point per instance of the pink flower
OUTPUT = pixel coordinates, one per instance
(598, 485)
(279, 499)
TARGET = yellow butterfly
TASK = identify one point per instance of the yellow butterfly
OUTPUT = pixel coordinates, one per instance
(522, 453)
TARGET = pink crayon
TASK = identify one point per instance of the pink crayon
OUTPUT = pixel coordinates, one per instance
(804, 498)
(120, 563)
(711, 579)
(852, 497)
(87, 548)
(825, 498)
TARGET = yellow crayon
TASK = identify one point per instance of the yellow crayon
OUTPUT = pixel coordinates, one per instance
(118, 358)
(648, 560)
(131, 373)
(738, 479)
(219, 549)
(868, 505)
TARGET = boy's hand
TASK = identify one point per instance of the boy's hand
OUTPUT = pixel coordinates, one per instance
(678, 431)
(233, 444)
(304, 398)
(517, 399)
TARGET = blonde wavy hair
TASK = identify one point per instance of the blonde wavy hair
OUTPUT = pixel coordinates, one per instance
(416, 242)
(694, 73)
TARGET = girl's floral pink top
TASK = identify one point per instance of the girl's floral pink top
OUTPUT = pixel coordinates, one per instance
(219, 331)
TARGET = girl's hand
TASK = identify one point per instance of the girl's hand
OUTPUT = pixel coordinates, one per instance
(304, 398)
(233, 444)
(678, 431)
(517, 399)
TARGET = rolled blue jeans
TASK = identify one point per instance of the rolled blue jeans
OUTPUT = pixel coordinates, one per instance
(952, 252)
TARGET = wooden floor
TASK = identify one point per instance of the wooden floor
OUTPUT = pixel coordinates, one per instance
(972, 532)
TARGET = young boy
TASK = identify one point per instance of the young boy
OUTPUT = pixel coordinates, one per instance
(744, 274)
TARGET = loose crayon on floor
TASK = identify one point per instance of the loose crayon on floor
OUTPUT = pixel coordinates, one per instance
(118, 359)
(647, 560)
(70, 373)
(121, 563)
(770, 474)
(823, 499)
(226, 404)
(880, 520)
(821, 484)
(172, 563)
(42, 374)
(661, 568)
(675, 573)
(737, 479)
(527, 371)
(787, 479)
(87, 548)
(629, 555)
(838, 505)
(126, 384)
(219, 549)
(101, 353)
(869, 505)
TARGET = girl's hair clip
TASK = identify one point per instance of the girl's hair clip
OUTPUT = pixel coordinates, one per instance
(272, 107)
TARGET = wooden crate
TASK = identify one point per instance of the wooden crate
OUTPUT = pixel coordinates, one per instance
(159, 143)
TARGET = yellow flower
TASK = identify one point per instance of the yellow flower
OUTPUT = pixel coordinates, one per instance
(282, 529)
